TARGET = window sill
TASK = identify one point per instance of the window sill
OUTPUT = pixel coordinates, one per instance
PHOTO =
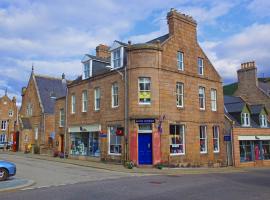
(84, 111)
(177, 154)
(114, 154)
(144, 104)
(216, 152)
(180, 107)
(203, 153)
(202, 109)
(114, 107)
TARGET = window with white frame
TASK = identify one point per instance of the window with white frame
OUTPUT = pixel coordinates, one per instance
(200, 66)
(4, 125)
(216, 139)
(97, 98)
(263, 121)
(29, 109)
(10, 113)
(180, 60)
(203, 139)
(177, 139)
(115, 95)
(213, 100)
(179, 94)
(116, 58)
(3, 138)
(84, 101)
(115, 146)
(73, 104)
(202, 98)
(36, 133)
(245, 118)
(86, 69)
(62, 118)
(144, 90)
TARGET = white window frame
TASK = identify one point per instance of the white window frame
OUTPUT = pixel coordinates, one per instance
(3, 137)
(216, 138)
(144, 80)
(86, 69)
(179, 94)
(202, 97)
(36, 133)
(180, 60)
(97, 98)
(4, 125)
(109, 141)
(213, 99)
(84, 101)
(29, 109)
(61, 117)
(200, 66)
(10, 113)
(119, 59)
(115, 95)
(73, 104)
(184, 142)
(203, 137)
(263, 121)
(245, 119)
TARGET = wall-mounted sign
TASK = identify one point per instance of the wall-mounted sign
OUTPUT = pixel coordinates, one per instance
(102, 135)
(145, 121)
(227, 138)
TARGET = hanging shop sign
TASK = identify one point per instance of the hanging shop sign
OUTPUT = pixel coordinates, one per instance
(120, 131)
(145, 121)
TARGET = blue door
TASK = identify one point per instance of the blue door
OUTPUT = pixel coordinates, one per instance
(145, 149)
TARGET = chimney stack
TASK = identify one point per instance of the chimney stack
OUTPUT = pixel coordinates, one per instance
(247, 75)
(102, 51)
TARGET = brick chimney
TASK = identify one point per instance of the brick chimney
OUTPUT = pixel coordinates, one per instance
(182, 24)
(247, 75)
(102, 51)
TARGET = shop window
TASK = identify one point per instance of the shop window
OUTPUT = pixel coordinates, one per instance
(177, 139)
(144, 90)
(180, 95)
(200, 66)
(2, 138)
(4, 125)
(180, 60)
(245, 119)
(263, 121)
(213, 100)
(203, 139)
(97, 98)
(202, 98)
(246, 151)
(115, 96)
(84, 101)
(266, 149)
(216, 139)
(115, 146)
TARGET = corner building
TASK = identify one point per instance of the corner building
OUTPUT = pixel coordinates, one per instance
(174, 102)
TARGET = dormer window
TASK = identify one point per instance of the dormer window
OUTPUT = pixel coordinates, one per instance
(116, 58)
(245, 119)
(263, 120)
(87, 72)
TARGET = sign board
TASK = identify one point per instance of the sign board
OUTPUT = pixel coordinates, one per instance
(227, 138)
(145, 121)
(145, 95)
(102, 135)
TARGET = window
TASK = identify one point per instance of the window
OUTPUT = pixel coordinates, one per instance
(216, 139)
(203, 139)
(245, 119)
(202, 98)
(177, 139)
(179, 94)
(115, 101)
(97, 98)
(3, 138)
(245, 151)
(4, 125)
(115, 146)
(36, 133)
(200, 66)
(213, 100)
(144, 90)
(62, 118)
(180, 60)
(29, 109)
(73, 104)
(116, 58)
(86, 69)
(84, 101)
(266, 149)
(10, 113)
(263, 120)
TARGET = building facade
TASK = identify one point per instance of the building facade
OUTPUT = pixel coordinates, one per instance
(154, 102)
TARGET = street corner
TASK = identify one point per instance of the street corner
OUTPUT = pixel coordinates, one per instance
(15, 184)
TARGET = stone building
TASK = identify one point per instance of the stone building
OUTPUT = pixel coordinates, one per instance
(8, 119)
(173, 96)
(37, 120)
(249, 128)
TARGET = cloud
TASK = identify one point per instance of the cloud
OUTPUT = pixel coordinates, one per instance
(260, 7)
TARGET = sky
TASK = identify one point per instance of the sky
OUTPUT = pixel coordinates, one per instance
(54, 35)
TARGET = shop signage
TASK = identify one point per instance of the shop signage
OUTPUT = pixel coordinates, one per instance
(102, 135)
(145, 121)
(120, 131)
(227, 138)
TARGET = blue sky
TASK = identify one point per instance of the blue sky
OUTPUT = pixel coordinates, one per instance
(55, 34)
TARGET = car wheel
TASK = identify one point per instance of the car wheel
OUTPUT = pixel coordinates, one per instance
(3, 174)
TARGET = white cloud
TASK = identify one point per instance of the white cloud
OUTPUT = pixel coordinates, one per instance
(260, 7)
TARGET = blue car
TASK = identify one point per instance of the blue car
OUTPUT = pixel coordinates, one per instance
(7, 169)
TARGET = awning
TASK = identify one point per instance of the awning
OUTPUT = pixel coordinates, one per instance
(251, 137)
(85, 128)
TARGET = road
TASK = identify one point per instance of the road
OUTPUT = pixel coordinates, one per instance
(99, 184)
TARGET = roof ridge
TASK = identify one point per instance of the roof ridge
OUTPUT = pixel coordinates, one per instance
(47, 76)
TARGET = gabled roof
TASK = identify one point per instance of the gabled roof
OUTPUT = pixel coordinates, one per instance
(49, 87)
(161, 39)
(233, 104)
(256, 109)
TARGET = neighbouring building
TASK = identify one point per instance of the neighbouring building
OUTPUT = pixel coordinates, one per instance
(8, 119)
(173, 95)
(252, 89)
(249, 128)
(37, 116)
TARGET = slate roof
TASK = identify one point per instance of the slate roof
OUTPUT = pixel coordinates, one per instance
(105, 60)
(161, 39)
(256, 109)
(233, 104)
(121, 43)
(48, 87)
(26, 123)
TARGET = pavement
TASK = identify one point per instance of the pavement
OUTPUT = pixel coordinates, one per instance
(15, 184)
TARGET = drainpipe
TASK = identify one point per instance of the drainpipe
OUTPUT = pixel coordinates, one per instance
(66, 116)
(126, 114)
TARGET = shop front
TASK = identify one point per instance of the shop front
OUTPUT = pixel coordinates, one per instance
(85, 141)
